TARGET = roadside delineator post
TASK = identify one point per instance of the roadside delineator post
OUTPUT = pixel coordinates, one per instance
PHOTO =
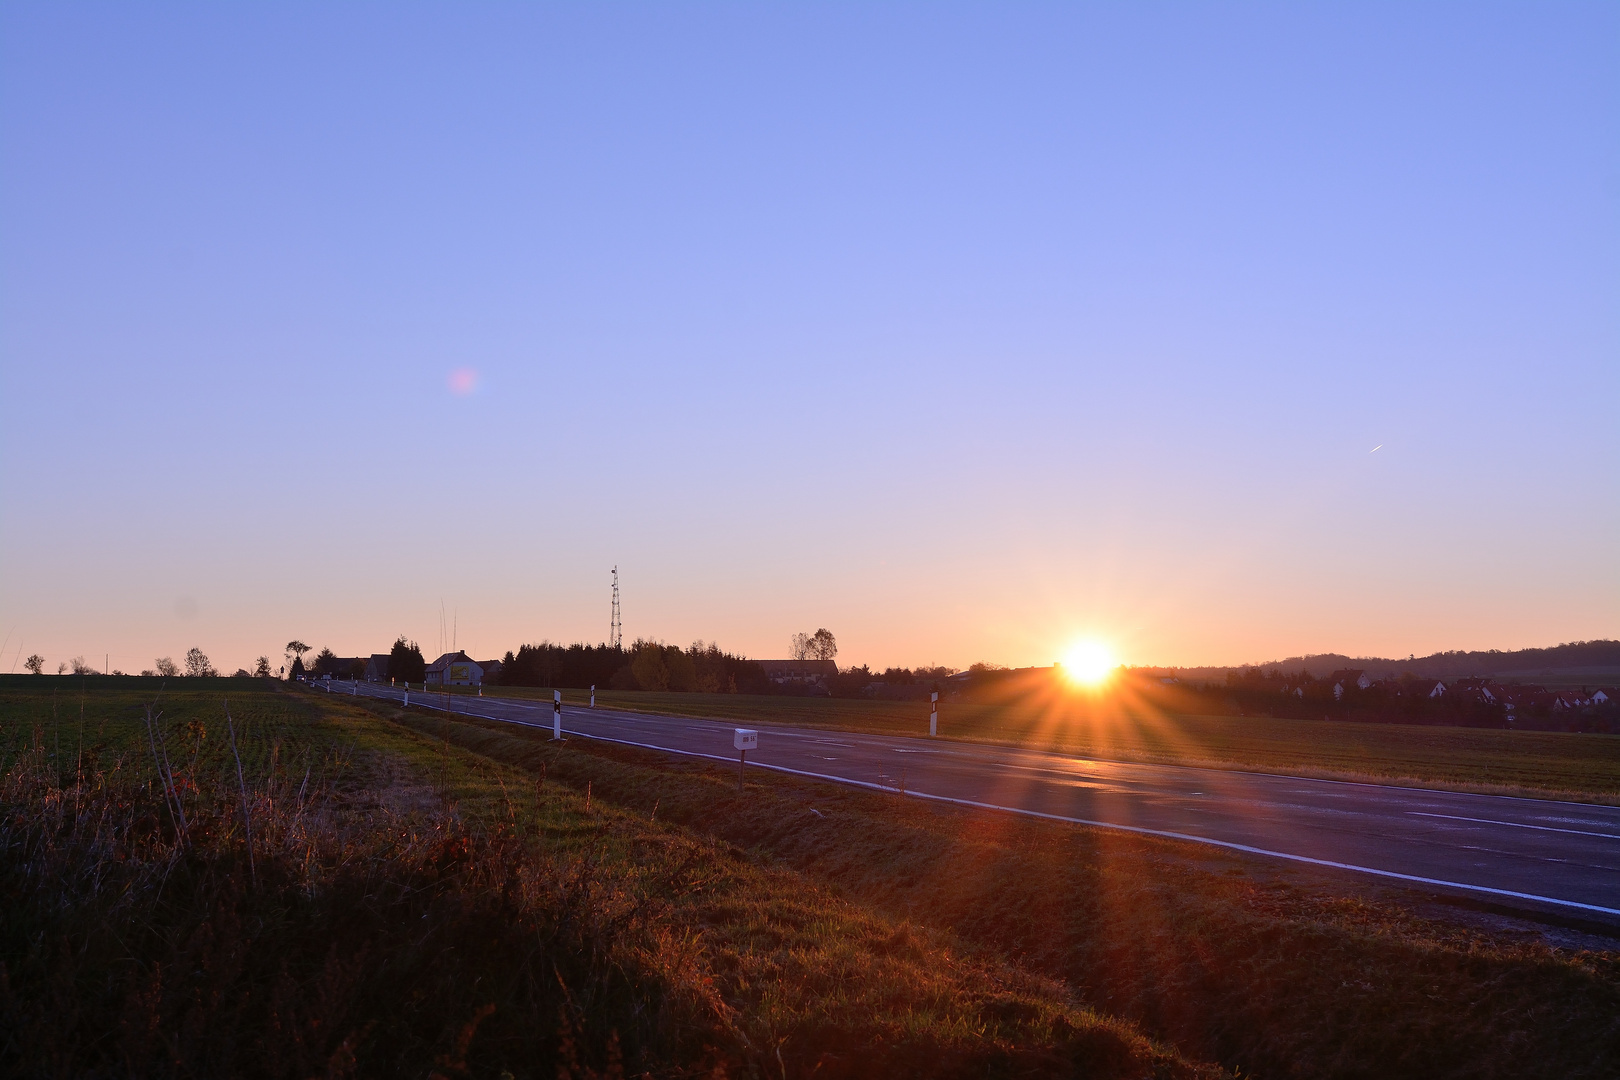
(556, 716)
(593, 695)
(933, 713)
(744, 740)
(407, 695)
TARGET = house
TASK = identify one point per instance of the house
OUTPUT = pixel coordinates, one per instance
(1474, 691)
(455, 669)
(1603, 696)
(798, 672)
(1347, 679)
(377, 667)
(1568, 699)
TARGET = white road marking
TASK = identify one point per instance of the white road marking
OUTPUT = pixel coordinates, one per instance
(1517, 825)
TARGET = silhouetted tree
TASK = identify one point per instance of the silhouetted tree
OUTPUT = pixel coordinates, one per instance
(197, 665)
(35, 663)
(405, 661)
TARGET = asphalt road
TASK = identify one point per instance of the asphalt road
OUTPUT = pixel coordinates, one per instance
(1545, 855)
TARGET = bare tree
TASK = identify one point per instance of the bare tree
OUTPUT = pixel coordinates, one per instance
(35, 663)
(197, 665)
(799, 647)
(166, 667)
(61, 669)
(82, 668)
(261, 670)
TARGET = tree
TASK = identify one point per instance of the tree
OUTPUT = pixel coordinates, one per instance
(649, 667)
(35, 663)
(823, 646)
(326, 663)
(405, 661)
(166, 667)
(261, 670)
(82, 668)
(820, 645)
(296, 650)
(297, 671)
(197, 665)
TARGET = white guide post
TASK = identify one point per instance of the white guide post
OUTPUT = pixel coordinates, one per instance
(407, 695)
(556, 716)
(593, 695)
(744, 740)
(933, 713)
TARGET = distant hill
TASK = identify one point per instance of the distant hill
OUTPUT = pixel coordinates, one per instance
(1576, 658)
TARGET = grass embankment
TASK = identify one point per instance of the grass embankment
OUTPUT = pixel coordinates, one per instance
(1267, 974)
(408, 908)
(1537, 763)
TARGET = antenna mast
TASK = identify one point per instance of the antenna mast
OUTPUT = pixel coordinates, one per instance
(616, 632)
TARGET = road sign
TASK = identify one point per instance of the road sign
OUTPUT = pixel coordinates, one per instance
(744, 739)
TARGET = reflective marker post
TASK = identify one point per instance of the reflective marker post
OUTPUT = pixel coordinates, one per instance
(933, 713)
(556, 716)
(744, 740)
(593, 695)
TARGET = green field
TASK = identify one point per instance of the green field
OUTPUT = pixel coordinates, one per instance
(1545, 764)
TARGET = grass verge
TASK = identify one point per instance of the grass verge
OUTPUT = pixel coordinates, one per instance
(1268, 974)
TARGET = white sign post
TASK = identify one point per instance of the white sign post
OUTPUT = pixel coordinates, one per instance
(744, 740)
(593, 695)
(933, 713)
(556, 716)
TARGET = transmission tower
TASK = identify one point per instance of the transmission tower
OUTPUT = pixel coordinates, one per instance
(616, 633)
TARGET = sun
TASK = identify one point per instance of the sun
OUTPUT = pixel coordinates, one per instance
(1089, 663)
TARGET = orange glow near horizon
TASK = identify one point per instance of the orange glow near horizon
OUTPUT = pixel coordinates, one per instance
(1089, 663)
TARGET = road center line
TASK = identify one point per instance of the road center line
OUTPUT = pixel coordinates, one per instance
(1517, 825)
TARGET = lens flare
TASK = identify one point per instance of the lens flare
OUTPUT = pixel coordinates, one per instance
(463, 381)
(1089, 663)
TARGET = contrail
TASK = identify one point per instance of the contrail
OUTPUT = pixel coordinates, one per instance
(1375, 449)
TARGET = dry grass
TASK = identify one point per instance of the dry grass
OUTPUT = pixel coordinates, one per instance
(406, 908)
(1272, 974)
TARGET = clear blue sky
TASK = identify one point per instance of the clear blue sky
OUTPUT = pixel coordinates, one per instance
(961, 330)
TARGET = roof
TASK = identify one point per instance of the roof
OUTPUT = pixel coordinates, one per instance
(451, 658)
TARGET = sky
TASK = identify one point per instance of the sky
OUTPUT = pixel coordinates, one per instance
(1216, 332)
